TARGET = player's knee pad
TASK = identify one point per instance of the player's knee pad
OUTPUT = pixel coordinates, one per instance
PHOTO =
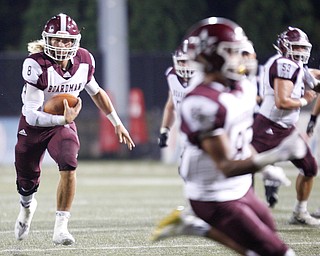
(27, 188)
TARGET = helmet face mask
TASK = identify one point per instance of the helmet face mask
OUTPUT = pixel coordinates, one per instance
(294, 44)
(61, 37)
(182, 65)
(217, 44)
(250, 60)
(235, 65)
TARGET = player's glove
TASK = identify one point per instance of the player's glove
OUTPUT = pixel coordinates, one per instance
(292, 147)
(311, 125)
(163, 137)
(310, 81)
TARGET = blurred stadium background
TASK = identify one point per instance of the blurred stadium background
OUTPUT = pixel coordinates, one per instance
(148, 32)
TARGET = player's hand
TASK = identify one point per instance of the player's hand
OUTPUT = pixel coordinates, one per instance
(311, 125)
(124, 136)
(71, 113)
(309, 95)
(162, 139)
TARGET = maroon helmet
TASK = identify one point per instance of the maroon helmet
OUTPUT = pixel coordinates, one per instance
(291, 39)
(217, 45)
(62, 27)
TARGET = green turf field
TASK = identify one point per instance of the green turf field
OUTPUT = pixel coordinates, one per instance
(116, 207)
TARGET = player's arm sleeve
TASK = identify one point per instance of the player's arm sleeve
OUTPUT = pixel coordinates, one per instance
(92, 88)
(33, 101)
(31, 71)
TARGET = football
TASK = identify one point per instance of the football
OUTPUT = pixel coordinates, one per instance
(55, 105)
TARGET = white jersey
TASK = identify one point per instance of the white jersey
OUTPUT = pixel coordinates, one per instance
(280, 67)
(44, 78)
(211, 110)
(179, 88)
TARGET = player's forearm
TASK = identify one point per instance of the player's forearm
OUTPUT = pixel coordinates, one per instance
(168, 119)
(33, 101)
(316, 108)
(42, 119)
(103, 102)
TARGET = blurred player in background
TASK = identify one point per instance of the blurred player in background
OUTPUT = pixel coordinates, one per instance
(273, 176)
(56, 64)
(179, 83)
(217, 116)
(178, 78)
(285, 94)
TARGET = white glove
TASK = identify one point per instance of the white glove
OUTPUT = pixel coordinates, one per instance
(292, 147)
(308, 79)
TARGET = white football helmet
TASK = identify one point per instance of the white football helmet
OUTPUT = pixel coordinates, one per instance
(289, 40)
(181, 63)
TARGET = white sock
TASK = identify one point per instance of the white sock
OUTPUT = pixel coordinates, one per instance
(290, 252)
(63, 214)
(26, 200)
(61, 223)
(300, 206)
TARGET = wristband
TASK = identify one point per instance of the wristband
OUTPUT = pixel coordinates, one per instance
(114, 118)
(164, 130)
(303, 102)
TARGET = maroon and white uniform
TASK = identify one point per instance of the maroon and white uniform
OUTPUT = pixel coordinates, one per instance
(39, 131)
(44, 78)
(281, 67)
(210, 111)
(228, 204)
(272, 125)
(177, 86)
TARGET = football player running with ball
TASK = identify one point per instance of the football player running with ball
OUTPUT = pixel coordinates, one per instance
(56, 65)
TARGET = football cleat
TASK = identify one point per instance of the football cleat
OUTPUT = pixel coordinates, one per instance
(23, 222)
(171, 225)
(63, 238)
(303, 218)
(61, 234)
(316, 214)
(271, 192)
